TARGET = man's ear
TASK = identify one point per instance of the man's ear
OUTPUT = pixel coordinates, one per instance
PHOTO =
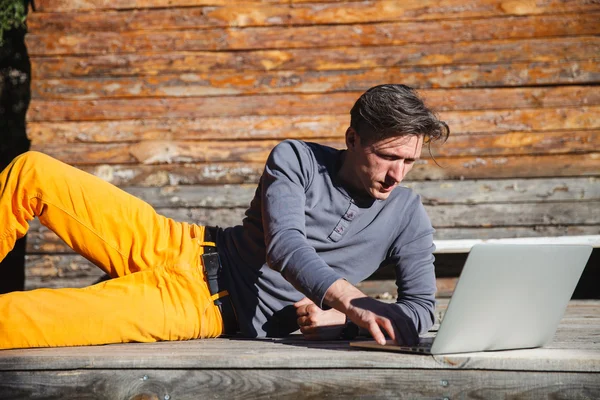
(351, 138)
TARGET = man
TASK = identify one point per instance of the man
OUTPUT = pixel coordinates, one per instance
(321, 221)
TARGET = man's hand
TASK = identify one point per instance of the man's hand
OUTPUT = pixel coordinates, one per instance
(316, 324)
(375, 316)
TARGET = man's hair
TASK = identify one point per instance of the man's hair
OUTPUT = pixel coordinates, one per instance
(394, 110)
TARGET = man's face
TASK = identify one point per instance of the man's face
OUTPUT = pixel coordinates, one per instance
(379, 167)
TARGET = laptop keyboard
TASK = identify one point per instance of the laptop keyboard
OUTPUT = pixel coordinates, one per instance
(423, 346)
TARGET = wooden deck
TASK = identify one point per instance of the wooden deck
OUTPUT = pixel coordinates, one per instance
(293, 368)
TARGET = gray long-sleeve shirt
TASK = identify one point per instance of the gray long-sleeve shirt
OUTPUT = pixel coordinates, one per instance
(303, 231)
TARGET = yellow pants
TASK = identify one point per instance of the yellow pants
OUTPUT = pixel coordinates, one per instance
(159, 291)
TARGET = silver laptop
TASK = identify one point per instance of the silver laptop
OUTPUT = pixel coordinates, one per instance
(508, 296)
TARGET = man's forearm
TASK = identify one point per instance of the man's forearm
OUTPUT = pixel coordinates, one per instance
(341, 294)
(371, 314)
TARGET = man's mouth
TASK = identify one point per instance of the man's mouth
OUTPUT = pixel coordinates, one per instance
(386, 188)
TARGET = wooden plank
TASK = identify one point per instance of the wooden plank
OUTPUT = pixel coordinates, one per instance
(448, 168)
(41, 240)
(483, 99)
(396, 33)
(205, 216)
(521, 119)
(248, 14)
(382, 289)
(508, 167)
(59, 271)
(465, 245)
(518, 231)
(87, 5)
(205, 196)
(441, 100)
(176, 174)
(160, 19)
(195, 107)
(242, 127)
(518, 143)
(156, 152)
(387, 289)
(303, 383)
(309, 127)
(59, 283)
(244, 83)
(503, 191)
(426, 10)
(523, 214)
(339, 58)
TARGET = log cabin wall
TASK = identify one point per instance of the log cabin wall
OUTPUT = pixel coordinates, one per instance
(179, 103)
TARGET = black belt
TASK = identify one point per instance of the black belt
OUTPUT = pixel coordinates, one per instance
(217, 281)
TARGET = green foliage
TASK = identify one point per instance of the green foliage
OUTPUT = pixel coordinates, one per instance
(12, 16)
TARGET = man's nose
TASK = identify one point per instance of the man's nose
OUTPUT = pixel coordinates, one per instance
(397, 171)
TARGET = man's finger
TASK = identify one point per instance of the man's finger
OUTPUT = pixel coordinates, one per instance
(305, 301)
(304, 321)
(376, 332)
(306, 329)
(302, 311)
(309, 329)
(389, 328)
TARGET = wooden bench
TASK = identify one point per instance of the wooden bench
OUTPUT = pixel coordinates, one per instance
(464, 245)
(293, 368)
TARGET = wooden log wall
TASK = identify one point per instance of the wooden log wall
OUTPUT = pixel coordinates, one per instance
(179, 103)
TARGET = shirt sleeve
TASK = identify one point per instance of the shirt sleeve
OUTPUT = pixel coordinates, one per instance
(288, 173)
(412, 256)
